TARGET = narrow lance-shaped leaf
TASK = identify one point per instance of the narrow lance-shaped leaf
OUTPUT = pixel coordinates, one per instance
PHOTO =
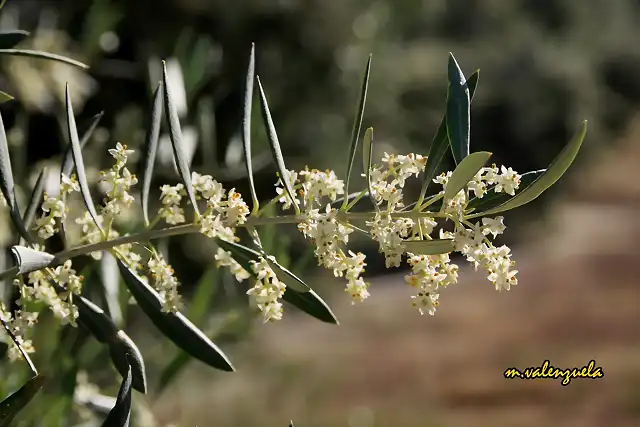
(7, 185)
(151, 143)
(464, 173)
(458, 111)
(111, 286)
(12, 405)
(554, 172)
(43, 55)
(21, 349)
(34, 201)
(5, 97)
(357, 125)
(121, 412)
(69, 165)
(76, 150)
(123, 351)
(9, 39)
(29, 260)
(492, 199)
(429, 247)
(175, 134)
(246, 125)
(174, 326)
(275, 146)
(305, 300)
(367, 157)
(440, 143)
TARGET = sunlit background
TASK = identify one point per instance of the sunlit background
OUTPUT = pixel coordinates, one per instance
(545, 66)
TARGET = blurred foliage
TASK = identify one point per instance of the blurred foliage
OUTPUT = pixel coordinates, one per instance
(544, 66)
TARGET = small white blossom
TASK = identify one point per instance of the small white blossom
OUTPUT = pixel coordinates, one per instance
(267, 290)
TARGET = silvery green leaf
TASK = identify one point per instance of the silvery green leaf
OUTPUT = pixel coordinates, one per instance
(291, 423)
(29, 260)
(246, 125)
(299, 294)
(440, 143)
(121, 412)
(18, 344)
(36, 197)
(43, 55)
(458, 111)
(175, 134)
(357, 125)
(552, 174)
(5, 97)
(69, 165)
(275, 146)
(16, 402)
(464, 172)
(76, 150)
(174, 326)
(151, 143)
(111, 286)
(9, 39)
(429, 247)
(492, 199)
(367, 157)
(123, 351)
(7, 185)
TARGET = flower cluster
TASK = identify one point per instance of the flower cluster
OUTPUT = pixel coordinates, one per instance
(20, 326)
(165, 283)
(267, 290)
(54, 208)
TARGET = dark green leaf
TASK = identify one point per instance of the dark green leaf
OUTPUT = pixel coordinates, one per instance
(357, 125)
(76, 150)
(151, 143)
(69, 165)
(246, 125)
(552, 174)
(16, 402)
(7, 185)
(440, 144)
(175, 134)
(121, 412)
(429, 247)
(5, 97)
(9, 39)
(458, 111)
(367, 157)
(36, 197)
(42, 55)
(465, 172)
(174, 326)
(19, 346)
(29, 260)
(492, 199)
(291, 423)
(312, 304)
(275, 146)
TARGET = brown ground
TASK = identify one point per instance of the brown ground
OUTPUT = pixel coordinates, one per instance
(578, 299)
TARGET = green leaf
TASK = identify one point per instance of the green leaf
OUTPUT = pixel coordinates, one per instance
(36, 197)
(7, 185)
(121, 412)
(554, 172)
(458, 111)
(16, 402)
(357, 125)
(29, 260)
(429, 247)
(367, 157)
(174, 326)
(5, 97)
(123, 351)
(111, 286)
(2, 2)
(440, 144)
(151, 143)
(43, 55)
(275, 146)
(9, 39)
(21, 349)
(76, 150)
(246, 125)
(492, 199)
(297, 293)
(69, 165)
(175, 134)
(291, 423)
(464, 173)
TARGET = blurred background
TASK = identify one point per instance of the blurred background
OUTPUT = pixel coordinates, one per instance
(545, 66)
